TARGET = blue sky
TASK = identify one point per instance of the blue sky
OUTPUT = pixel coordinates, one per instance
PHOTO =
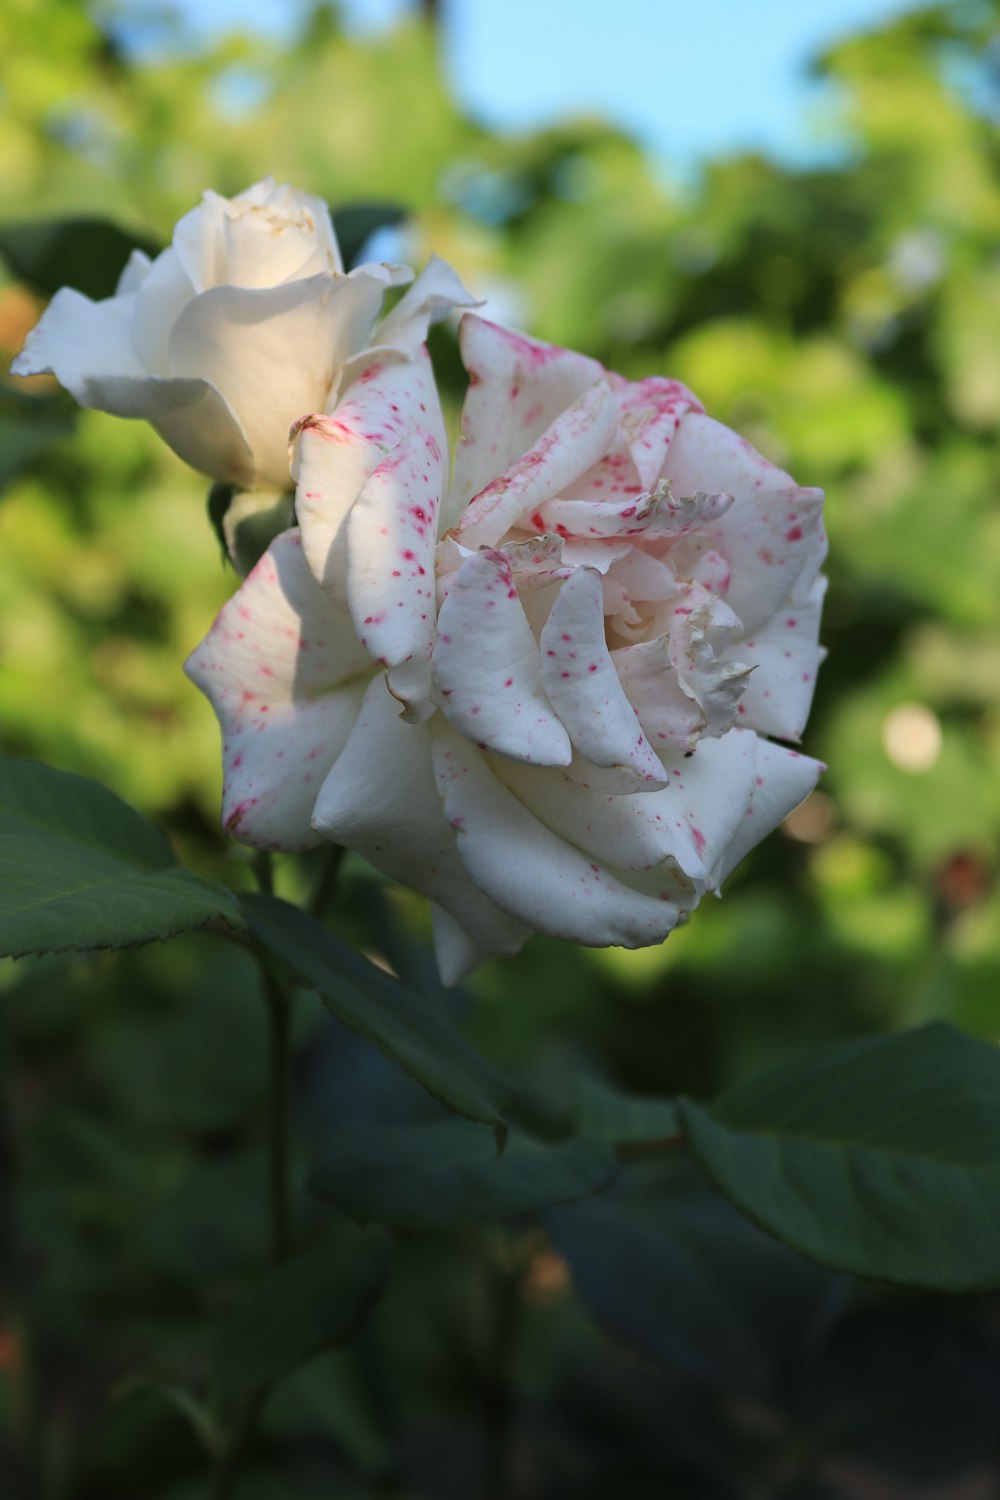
(689, 80)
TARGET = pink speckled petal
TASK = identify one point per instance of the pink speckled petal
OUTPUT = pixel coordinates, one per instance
(651, 410)
(769, 536)
(786, 656)
(683, 831)
(391, 536)
(782, 778)
(653, 513)
(528, 870)
(273, 353)
(486, 667)
(566, 448)
(701, 627)
(584, 687)
(380, 800)
(518, 387)
(276, 667)
(671, 718)
(333, 456)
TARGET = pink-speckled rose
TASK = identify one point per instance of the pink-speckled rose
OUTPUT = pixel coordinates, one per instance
(542, 694)
(243, 323)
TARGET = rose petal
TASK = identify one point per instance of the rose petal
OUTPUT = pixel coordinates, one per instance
(486, 667)
(262, 237)
(518, 386)
(671, 718)
(651, 410)
(584, 687)
(683, 832)
(88, 347)
(391, 536)
(437, 291)
(272, 353)
(333, 456)
(275, 667)
(769, 534)
(566, 448)
(782, 778)
(164, 292)
(529, 871)
(457, 953)
(786, 655)
(380, 800)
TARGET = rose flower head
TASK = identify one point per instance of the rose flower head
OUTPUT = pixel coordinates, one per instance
(542, 694)
(243, 323)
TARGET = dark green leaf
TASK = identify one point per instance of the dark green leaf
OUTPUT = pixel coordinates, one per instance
(880, 1157)
(314, 1302)
(669, 1266)
(379, 1009)
(86, 253)
(357, 222)
(442, 1175)
(624, 1119)
(79, 868)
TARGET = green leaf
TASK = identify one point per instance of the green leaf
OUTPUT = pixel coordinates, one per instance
(380, 1009)
(670, 1267)
(445, 1174)
(624, 1119)
(357, 222)
(880, 1157)
(79, 868)
(86, 253)
(314, 1302)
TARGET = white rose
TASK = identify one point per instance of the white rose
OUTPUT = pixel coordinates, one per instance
(243, 324)
(541, 695)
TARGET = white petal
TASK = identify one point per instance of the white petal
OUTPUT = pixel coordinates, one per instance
(486, 667)
(164, 292)
(380, 800)
(568, 446)
(333, 456)
(77, 339)
(584, 687)
(786, 655)
(518, 386)
(768, 536)
(134, 273)
(437, 291)
(273, 353)
(456, 952)
(782, 778)
(530, 871)
(681, 833)
(391, 536)
(88, 347)
(275, 667)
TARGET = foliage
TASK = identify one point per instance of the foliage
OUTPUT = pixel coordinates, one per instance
(648, 1338)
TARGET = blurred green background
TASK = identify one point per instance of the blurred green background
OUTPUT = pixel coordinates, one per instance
(845, 318)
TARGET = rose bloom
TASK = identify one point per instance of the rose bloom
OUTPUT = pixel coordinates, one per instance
(540, 694)
(246, 321)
